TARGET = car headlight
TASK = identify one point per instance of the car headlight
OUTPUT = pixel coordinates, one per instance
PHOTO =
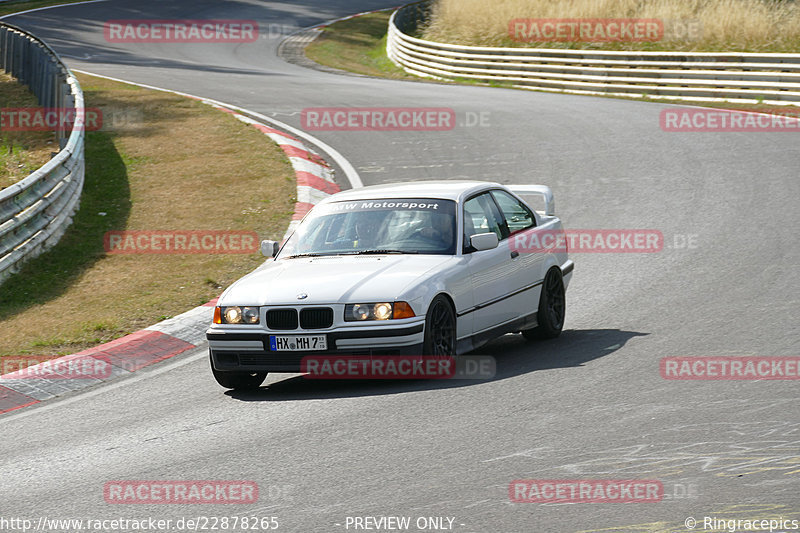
(236, 315)
(382, 311)
(377, 311)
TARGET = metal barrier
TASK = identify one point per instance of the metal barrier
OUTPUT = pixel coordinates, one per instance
(698, 76)
(35, 212)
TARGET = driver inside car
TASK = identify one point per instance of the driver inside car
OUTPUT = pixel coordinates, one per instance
(367, 225)
(440, 230)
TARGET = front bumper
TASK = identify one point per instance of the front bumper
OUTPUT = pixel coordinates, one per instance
(250, 351)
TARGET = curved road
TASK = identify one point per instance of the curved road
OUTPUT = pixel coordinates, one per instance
(591, 404)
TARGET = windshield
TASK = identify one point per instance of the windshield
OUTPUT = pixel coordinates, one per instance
(396, 225)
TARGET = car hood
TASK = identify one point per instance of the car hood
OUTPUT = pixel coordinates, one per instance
(332, 279)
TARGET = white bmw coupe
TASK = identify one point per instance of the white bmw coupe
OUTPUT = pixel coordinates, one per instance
(417, 268)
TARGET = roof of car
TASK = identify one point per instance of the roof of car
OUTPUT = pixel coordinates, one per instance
(442, 189)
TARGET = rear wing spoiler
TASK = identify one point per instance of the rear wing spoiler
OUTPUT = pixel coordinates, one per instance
(540, 192)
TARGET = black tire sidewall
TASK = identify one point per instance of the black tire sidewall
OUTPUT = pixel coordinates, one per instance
(427, 347)
(545, 328)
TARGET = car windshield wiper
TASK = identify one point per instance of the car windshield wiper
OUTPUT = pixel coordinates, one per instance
(309, 254)
(383, 251)
(354, 252)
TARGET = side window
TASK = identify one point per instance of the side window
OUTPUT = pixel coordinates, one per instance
(517, 215)
(481, 216)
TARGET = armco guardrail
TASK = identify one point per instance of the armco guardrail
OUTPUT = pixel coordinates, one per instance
(697, 76)
(35, 212)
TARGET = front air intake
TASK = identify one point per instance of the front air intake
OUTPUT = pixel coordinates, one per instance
(282, 319)
(316, 318)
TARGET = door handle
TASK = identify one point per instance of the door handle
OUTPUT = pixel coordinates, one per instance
(514, 254)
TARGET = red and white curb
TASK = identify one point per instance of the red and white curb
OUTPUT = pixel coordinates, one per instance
(172, 336)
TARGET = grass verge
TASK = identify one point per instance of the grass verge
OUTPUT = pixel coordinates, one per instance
(359, 45)
(23, 5)
(21, 152)
(172, 164)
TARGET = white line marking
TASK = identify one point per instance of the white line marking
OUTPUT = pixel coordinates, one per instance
(349, 171)
(157, 368)
(49, 7)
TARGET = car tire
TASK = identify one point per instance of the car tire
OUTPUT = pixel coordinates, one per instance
(552, 308)
(440, 328)
(238, 380)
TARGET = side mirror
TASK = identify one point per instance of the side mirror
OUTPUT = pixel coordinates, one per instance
(484, 241)
(270, 248)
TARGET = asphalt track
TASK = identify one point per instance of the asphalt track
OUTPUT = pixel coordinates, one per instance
(591, 404)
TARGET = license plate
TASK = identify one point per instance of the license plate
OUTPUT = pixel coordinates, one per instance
(297, 343)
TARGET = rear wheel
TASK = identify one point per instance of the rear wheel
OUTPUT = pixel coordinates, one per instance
(440, 328)
(238, 380)
(552, 308)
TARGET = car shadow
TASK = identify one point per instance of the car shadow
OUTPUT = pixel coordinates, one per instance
(514, 356)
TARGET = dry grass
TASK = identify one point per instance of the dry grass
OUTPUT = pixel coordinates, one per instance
(21, 152)
(732, 25)
(178, 165)
(343, 54)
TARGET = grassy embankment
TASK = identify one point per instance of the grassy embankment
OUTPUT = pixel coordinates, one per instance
(711, 25)
(7, 8)
(359, 44)
(21, 152)
(160, 162)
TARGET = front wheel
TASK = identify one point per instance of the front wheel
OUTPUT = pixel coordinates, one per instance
(440, 328)
(552, 308)
(238, 380)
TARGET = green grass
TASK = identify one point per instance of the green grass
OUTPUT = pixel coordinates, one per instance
(106, 190)
(357, 45)
(23, 5)
(21, 152)
(179, 162)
